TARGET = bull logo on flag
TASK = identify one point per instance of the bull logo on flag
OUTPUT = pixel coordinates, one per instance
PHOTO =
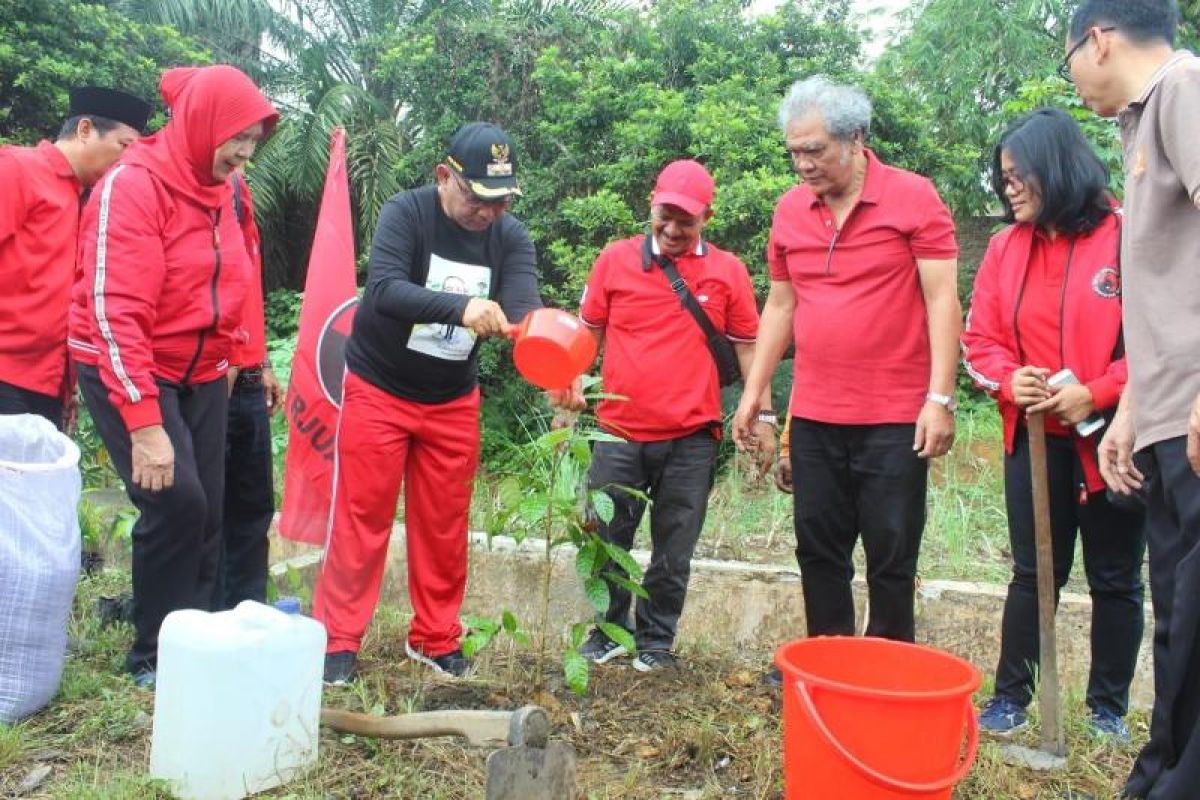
(331, 350)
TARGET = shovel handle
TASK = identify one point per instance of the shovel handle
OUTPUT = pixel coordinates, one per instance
(1053, 737)
(480, 728)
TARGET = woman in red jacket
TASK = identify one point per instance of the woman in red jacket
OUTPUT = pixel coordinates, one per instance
(155, 308)
(1047, 298)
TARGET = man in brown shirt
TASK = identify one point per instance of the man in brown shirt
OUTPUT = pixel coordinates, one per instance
(1120, 55)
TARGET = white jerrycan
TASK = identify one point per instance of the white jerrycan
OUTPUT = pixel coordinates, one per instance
(237, 700)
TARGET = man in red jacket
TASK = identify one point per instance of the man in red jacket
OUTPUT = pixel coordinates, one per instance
(39, 221)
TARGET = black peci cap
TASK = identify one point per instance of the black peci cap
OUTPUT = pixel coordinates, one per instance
(483, 154)
(97, 101)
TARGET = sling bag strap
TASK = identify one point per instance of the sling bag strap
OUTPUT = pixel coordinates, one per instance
(728, 369)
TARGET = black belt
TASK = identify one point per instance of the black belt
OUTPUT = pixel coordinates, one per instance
(248, 378)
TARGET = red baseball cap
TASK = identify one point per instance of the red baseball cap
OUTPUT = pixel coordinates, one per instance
(685, 184)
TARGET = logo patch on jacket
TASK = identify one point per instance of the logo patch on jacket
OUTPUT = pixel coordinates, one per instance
(1107, 283)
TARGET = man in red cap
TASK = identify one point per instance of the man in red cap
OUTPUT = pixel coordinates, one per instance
(677, 318)
(39, 222)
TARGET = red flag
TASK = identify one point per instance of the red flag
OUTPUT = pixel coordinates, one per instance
(314, 395)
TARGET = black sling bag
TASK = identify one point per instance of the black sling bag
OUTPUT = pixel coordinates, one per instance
(729, 371)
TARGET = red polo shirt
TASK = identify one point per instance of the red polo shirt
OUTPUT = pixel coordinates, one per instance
(654, 352)
(39, 224)
(862, 337)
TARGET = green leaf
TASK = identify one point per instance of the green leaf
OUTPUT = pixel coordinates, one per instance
(533, 509)
(628, 584)
(475, 641)
(578, 632)
(623, 559)
(554, 438)
(585, 559)
(603, 505)
(603, 436)
(597, 593)
(619, 635)
(575, 670)
(509, 621)
(581, 451)
(509, 494)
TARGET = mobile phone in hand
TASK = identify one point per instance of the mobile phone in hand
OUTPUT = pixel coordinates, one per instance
(1094, 422)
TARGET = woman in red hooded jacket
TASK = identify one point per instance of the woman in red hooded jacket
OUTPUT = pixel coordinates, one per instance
(1047, 298)
(163, 273)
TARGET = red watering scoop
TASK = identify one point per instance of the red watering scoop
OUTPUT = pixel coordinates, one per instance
(552, 348)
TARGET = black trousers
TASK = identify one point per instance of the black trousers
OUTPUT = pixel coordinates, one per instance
(677, 475)
(1168, 768)
(17, 400)
(175, 542)
(850, 480)
(1114, 546)
(249, 500)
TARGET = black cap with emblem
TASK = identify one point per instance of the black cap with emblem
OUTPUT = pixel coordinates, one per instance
(98, 101)
(483, 154)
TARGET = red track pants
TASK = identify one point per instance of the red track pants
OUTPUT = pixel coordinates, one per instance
(384, 441)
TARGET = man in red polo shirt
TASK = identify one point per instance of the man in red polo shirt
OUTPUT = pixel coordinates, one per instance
(39, 221)
(863, 264)
(657, 356)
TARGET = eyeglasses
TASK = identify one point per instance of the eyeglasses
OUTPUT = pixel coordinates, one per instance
(473, 200)
(1064, 69)
(1013, 181)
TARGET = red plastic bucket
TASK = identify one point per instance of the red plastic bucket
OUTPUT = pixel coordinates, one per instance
(552, 348)
(867, 719)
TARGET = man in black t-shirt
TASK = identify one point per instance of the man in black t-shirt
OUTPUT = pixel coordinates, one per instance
(410, 411)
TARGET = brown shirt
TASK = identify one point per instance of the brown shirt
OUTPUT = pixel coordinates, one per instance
(1160, 249)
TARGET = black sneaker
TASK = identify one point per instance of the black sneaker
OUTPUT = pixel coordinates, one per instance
(339, 667)
(599, 649)
(453, 664)
(773, 678)
(651, 660)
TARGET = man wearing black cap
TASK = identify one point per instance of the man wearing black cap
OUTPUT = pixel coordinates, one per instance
(39, 220)
(410, 409)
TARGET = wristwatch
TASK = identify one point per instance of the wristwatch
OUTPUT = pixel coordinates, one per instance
(767, 417)
(945, 400)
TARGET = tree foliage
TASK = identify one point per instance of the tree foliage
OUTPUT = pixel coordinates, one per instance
(962, 61)
(49, 46)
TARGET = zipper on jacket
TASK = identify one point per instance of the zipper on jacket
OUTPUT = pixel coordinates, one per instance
(216, 314)
(1017, 313)
(1062, 308)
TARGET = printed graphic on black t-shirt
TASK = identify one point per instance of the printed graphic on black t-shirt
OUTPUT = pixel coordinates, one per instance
(450, 342)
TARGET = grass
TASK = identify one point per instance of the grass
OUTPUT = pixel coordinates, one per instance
(966, 535)
(710, 730)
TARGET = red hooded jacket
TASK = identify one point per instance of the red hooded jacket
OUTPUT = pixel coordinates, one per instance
(250, 348)
(163, 268)
(1089, 324)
